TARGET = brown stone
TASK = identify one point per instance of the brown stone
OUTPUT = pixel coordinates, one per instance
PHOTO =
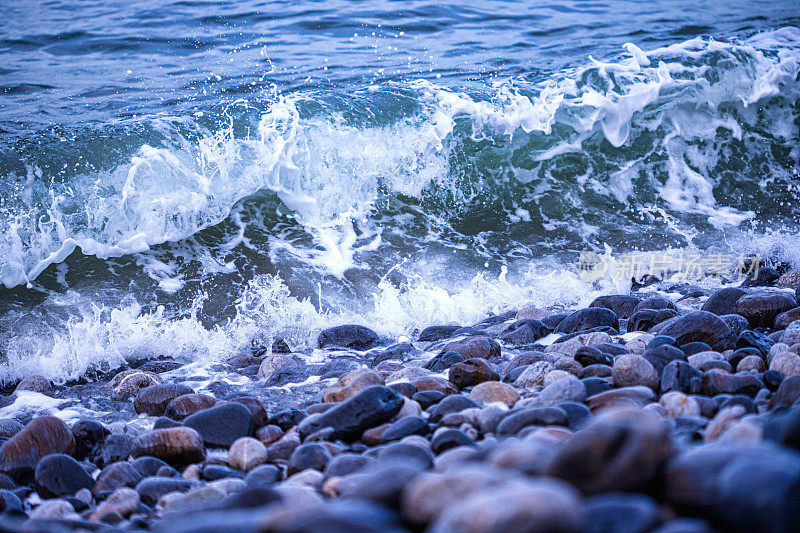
(178, 445)
(188, 404)
(761, 308)
(789, 279)
(269, 434)
(495, 391)
(476, 347)
(153, 400)
(783, 320)
(435, 383)
(42, 436)
(351, 384)
(129, 382)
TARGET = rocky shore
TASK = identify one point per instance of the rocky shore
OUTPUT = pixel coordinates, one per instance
(671, 412)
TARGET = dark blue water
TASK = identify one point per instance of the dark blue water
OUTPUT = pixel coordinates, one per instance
(192, 174)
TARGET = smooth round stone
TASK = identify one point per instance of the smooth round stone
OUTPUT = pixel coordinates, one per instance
(472, 372)
(435, 383)
(533, 375)
(451, 404)
(437, 333)
(647, 319)
(569, 389)
(620, 450)
(312, 455)
(753, 339)
(595, 371)
(787, 363)
(42, 436)
(633, 370)
(524, 332)
(348, 336)
(174, 445)
(115, 476)
(8, 428)
(543, 505)
(150, 489)
(654, 302)
(153, 400)
(635, 396)
(516, 420)
(263, 476)
(60, 475)
(268, 434)
(188, 404)
(695, 347)
(428, 398)
(591, 317)
(351, 384)
(212, 472)
(494, 392)
(723, 302)
(478, 346)
(371, 407)
(622, 305)
(162, 422)
(449, 438)
(591, 355)
(129, 382)
(661, 340)
(712, 364)
(761, 308)
(9, 501)
(662, 355)
(679, 404)
(620, 512)
(719, 382)
(681, 376)
(246, 453)
(751, 363)
(578, 415)
(595, 385)
(221, 425)
(698, 326)
(346, 463)
(403, 387)
(88, 434)
(409, 425)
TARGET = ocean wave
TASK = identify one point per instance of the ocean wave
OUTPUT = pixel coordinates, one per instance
(665, 137)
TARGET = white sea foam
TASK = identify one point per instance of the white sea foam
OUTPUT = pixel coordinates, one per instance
(329, 173)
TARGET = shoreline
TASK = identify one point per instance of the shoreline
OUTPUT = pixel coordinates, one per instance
(686, 405)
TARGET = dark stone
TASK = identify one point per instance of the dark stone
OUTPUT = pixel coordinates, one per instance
(705, 366)
(788, 391)
(661, 356)
(150, 489)
(449, 438)
(60, 475)
(287, 419)
(147, 466)
(718, 382)
(408, 454)
(437, 333)
(346, 463)
(646, 319)
(783, 427)
(114, 476)
(697, 326)
(6, 482)
(761, 308)
(427, 398)
(695, 347)
(753, 339)
(513, 374)
(41, 437)
(661, 340)
(88, 434)
(623, 396)
(553, 321)
(773, 379)
(443, 361)
(9, 502)
(739, 399)
(452, 404)
(514, 421)
(764, 276)
(468, 331)
(263, 476)
(9, 427)
(153, 400)
(524, 332)
(471, 372)
(786, 318)
(596, 371)
(285, 375)
(257, 409)
(680, 376)
(163, 422)
(479, 346)
(404, 388)
(620, 451)
(349, 336)
(526, 359)
(373, 406)
(590, 355)
(222, 424)
(620, 513)
(212, 472)
(167, 471)
(723, 302)
(612, 348)
(735, 357)
(622, 305)
(654, 302)
(310, 455)
(591, 317)
(401, 351)
(578, 415)
(159, 367)
(408, 425)
(116, 447)
(381, 483)
(595, 385)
